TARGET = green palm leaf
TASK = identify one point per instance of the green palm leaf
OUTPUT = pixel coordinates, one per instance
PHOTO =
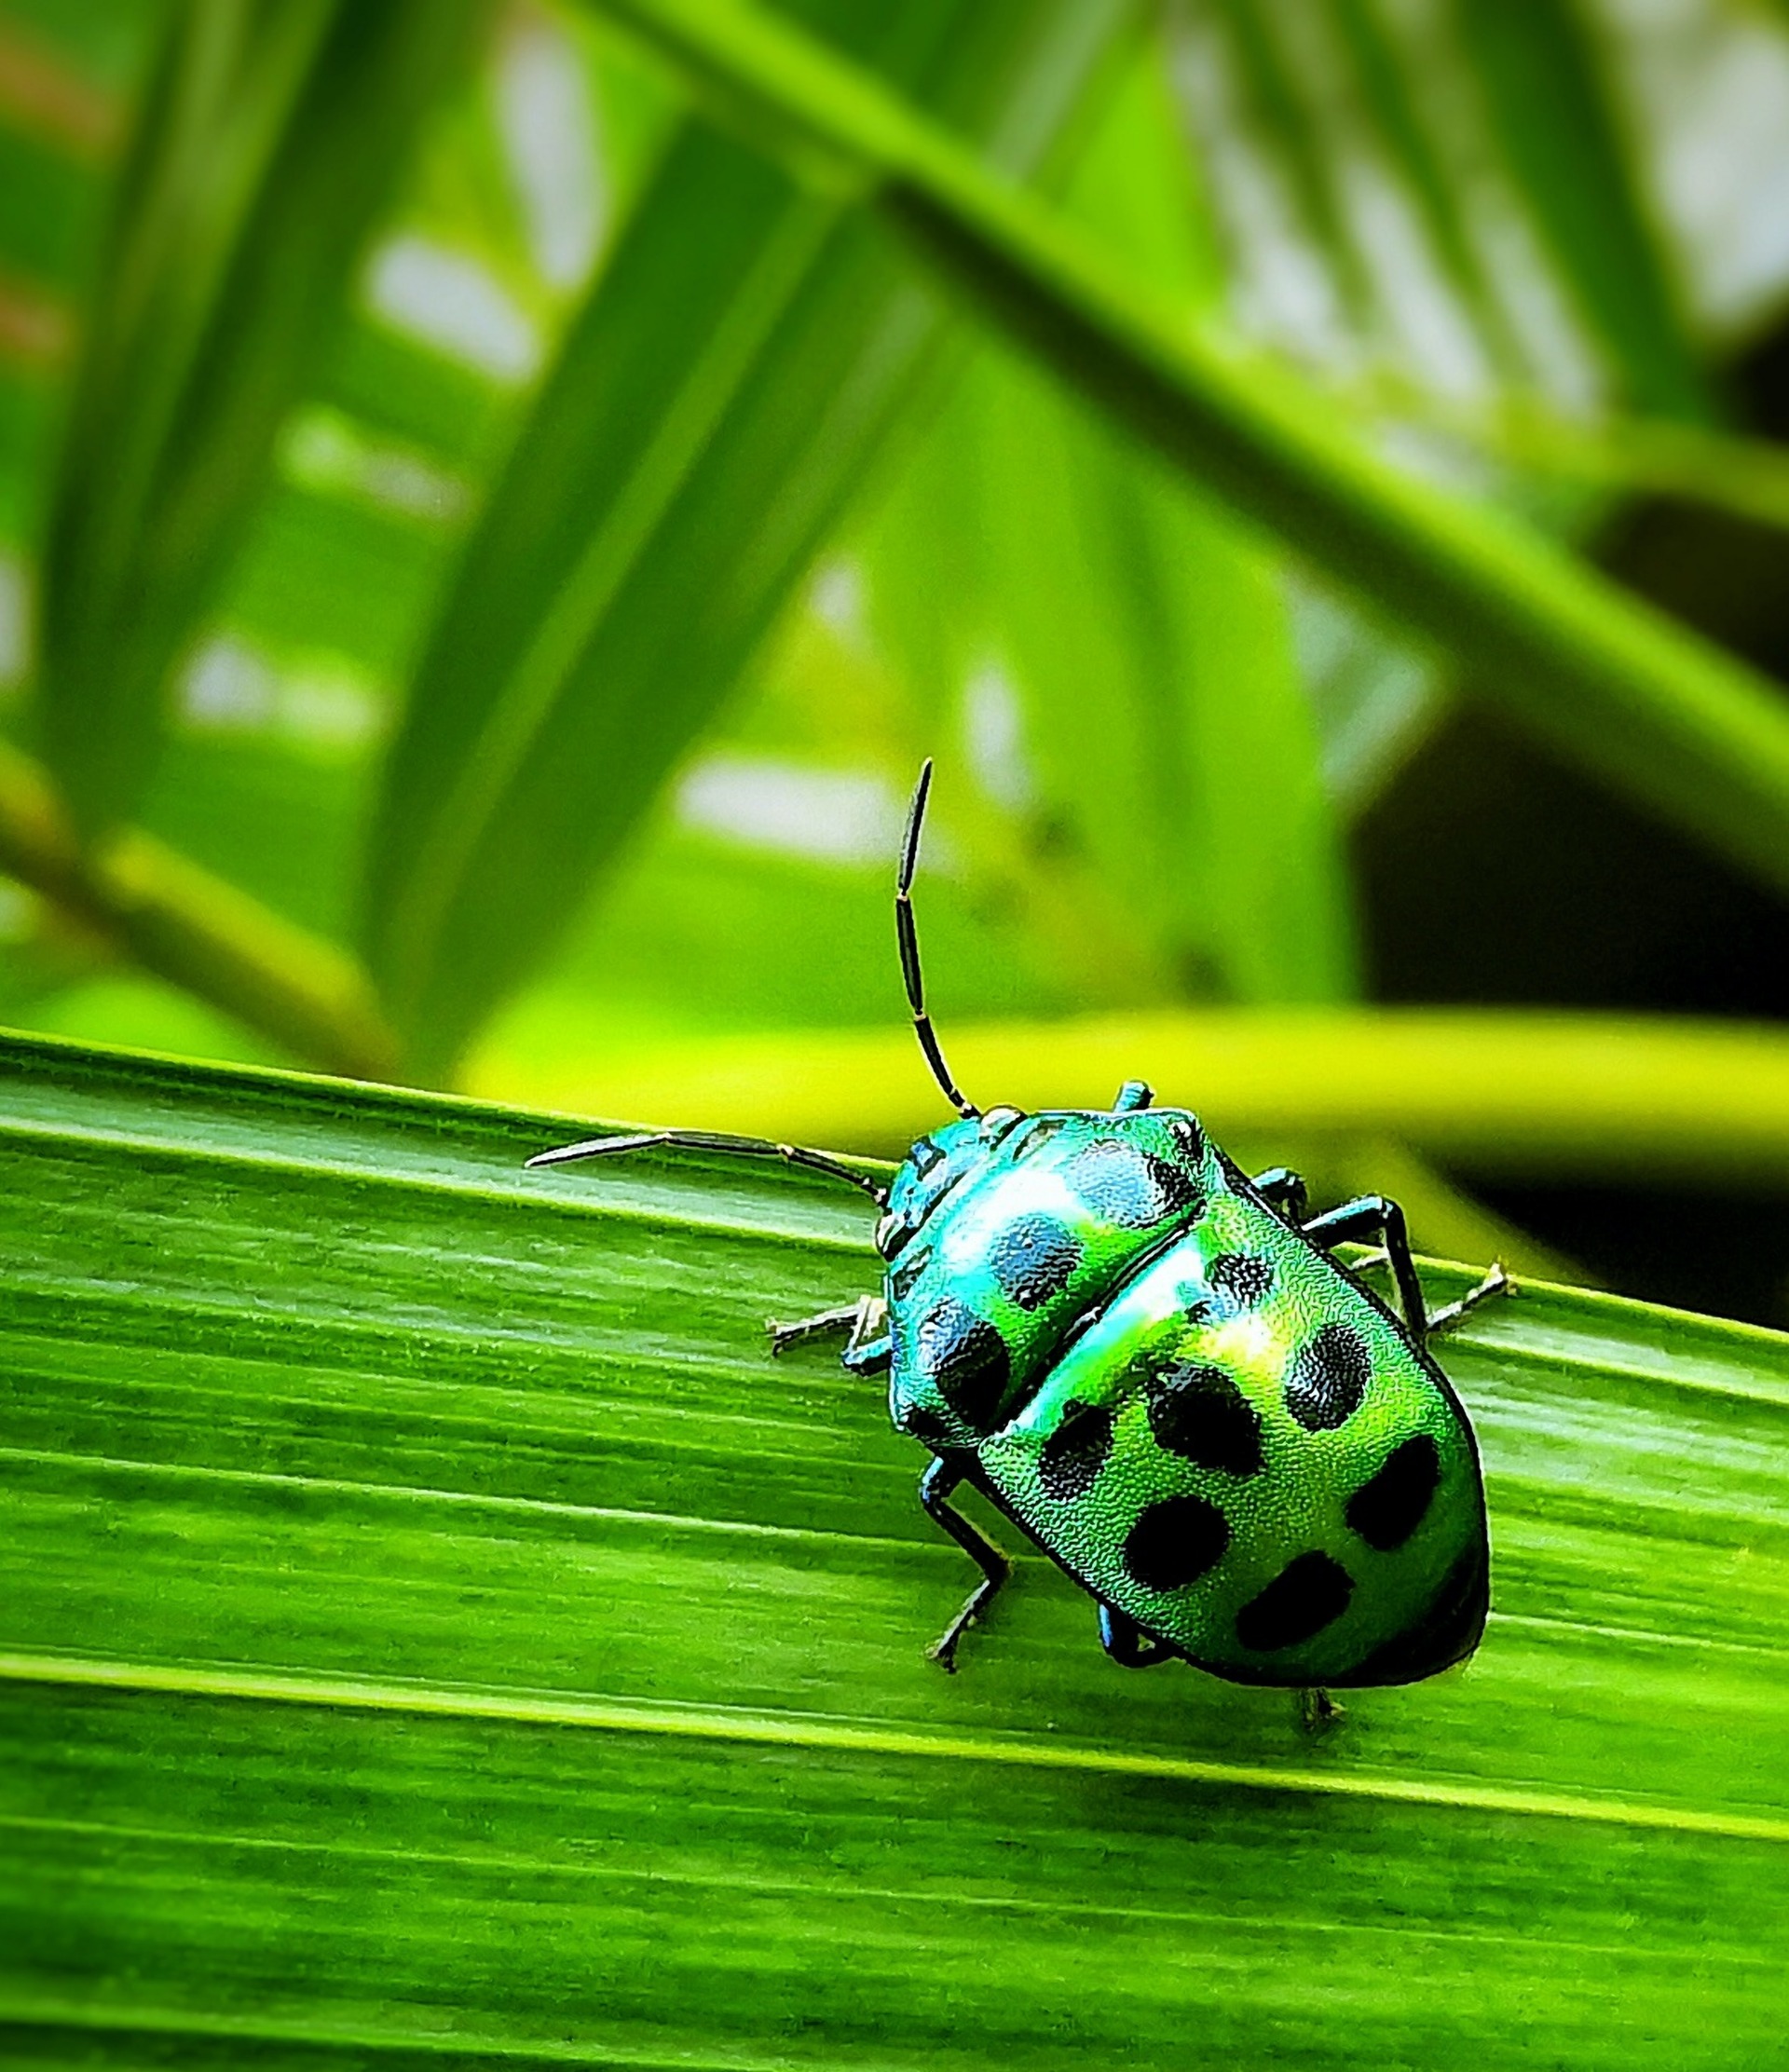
(267, 143)
(716, 402)
(432, 1629)
(1662, 713)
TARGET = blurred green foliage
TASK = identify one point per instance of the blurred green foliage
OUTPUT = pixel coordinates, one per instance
(495, 501)
(497, 496)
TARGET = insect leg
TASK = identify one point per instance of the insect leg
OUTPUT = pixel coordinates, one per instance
(1315, 1711)
(1377, 1216)
(1283, 1189)
(869, 1356)
(1496, 1282)
(935, 1486)
(715, 1140)
(1125, 1641)
(866, 1352)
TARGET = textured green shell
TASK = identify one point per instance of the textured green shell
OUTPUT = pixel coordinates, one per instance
(1023, 1227)
(1208, 1421)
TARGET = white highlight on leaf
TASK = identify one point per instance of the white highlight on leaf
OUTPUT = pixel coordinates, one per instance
(993, 734)
(228, 689)
(318, 702)
(1280, 287)
(1373, 699)
(836, 598)
(327, 706)
(326, 452)
(832, 816)
(547, 125)
(1710, 86)
(15, 623)
(451, 301)
(1432, 331)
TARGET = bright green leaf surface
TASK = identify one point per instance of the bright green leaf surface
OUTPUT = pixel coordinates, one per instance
(265, 146)
(430, 1625)
(715, 404)
(1543, 79)
(1641, 702)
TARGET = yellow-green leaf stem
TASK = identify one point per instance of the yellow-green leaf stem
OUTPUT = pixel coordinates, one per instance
(180, 922)
(1695, 735)
(431, 1628)
(1506, 1094)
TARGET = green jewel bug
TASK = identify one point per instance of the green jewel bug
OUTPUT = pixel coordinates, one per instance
(1155, 1367)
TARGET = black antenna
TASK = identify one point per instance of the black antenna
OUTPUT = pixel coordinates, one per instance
(715, 1140)
(905, 936)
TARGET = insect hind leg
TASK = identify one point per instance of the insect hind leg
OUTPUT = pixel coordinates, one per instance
(1496, 1282)
(1126, 1643)
(1377, 1216)
(1283, 1189)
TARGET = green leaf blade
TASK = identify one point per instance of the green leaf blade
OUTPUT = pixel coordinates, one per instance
(716, 405)
(1637, 699)
(1549, 101)
(268, 143)
(432, 1623)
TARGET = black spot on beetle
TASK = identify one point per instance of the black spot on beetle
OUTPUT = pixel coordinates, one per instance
(1070, 1460)
(1199, 1414)
(1032, 1259)
(1112, 1179)
(907, 1271)
(1244, 1277)
(1130, 1187)
(1329, 1378)
(1388, 1510)
(966, 1357)
(1188, 1139)
(1175, 1187)
(1175, 1542)
(1446, 1633)
(921, 1422)
(1308, 1594)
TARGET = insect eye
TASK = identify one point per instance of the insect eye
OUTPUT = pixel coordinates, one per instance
(997, 1122)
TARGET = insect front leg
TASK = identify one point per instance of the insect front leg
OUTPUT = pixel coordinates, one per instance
(1315, 1711)
(867, 1350)
(935, 1486)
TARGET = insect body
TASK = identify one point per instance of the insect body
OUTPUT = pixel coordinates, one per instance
(1183, 1398)
(1154, 1366)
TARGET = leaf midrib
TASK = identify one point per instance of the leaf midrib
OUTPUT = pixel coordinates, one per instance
(823, 1732)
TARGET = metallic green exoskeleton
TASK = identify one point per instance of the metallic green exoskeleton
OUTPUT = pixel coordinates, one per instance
(1155, 1366)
